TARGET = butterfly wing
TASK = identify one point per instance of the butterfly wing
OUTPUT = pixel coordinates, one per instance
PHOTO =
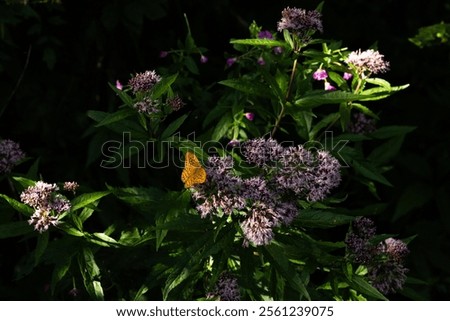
(193, 172)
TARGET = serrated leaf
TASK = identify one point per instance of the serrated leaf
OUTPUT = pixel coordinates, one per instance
(259, 42)
(275, 254)
(59, 272)
(24, 182)
(126, 99)
(322, 219)
(413, 196)
(15, 229)
(173, 127)
(249, 87)
(378, 93)
(163, 86)
(361, 285)
(324, 122)
(116, 116)
(18, 206)
(70, 230)
(91, 273)
(368, 171)
(86, 199)
(321, 97)
(379, 82)
(391, 131)
(41, 246)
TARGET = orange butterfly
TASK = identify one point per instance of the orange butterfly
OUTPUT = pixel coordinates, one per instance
(193, 172)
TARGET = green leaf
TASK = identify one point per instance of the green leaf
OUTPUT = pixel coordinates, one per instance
(59, 272)
(378, 93)
(42, 242)
(259, 42)
(86, 199)
(249, 87)
(361, 285)
(324, 122)
(368, 171)
(24, 182)
(127, 100)
(18, 206)
(321, 97)
(70, 230)
(15, 229)
(222, 127)
(391, 131)
(116, 116)
(414, 196)
(163, 86)
(275, 254)
(91, 273)
(386, 151)
(379, 82)
(173, 127)
(322, 219)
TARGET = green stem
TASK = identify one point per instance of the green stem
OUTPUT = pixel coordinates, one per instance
(288, 94)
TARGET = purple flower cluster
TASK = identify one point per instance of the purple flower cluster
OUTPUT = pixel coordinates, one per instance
(361, 124)
(10, 155)
(43, 197)
(147, 106)
(266, 201)
(176, 103)
(71, 186)
(384, 261)
(368, 61)
(144, 81)
(295, 169)
(300, 21)
(227, 288)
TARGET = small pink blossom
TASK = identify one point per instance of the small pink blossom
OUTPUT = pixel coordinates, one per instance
(231, 61)
(163, 54)
(320, 74)
(329, 86)
(203, 59)
(277, 50)
(261, 61)
(249, 116)
(119, 85)
(347, 76)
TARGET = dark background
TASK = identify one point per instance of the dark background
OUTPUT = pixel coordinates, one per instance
(56, 61)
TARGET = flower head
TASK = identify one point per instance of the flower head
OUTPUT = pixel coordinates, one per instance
(265, 34)
(261, 151)
(320, 74)
(10, 155)
(227, 288)
(231, 61)
(300, 21)
(328, 86)
(144, 81)
(42, 220)
(361, 124)
(368, 61)
(249, 116)
(175, 102)
(147, 106)
(347, 76)
(119, 85)
(278, 50)
(71, 186)
(43, 197)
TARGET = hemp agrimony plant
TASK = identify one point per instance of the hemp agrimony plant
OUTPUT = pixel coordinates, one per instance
(283, 168)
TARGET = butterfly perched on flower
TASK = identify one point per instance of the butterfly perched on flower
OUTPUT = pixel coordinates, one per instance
(193, 172)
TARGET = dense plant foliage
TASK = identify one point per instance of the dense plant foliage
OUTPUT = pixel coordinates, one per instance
(264, 183)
